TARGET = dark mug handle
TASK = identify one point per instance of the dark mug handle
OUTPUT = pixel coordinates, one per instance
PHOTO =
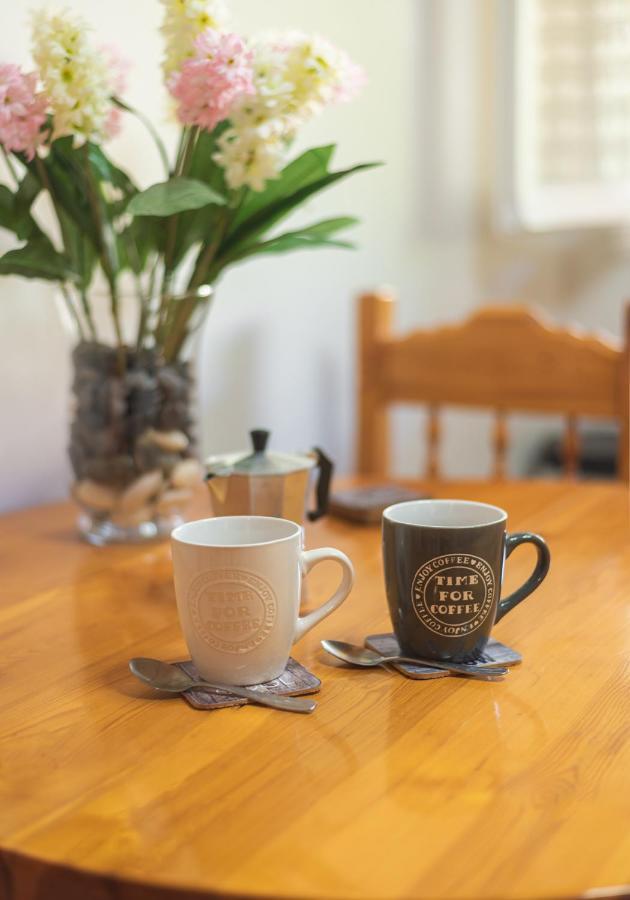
(322, 490)
(512, 541)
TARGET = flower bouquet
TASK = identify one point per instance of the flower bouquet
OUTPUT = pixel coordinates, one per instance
(231, 182)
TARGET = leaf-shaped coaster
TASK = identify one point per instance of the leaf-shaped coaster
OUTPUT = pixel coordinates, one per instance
(387, 644)
(294, 681)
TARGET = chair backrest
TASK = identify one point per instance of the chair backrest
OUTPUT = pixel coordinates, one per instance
(503, 358)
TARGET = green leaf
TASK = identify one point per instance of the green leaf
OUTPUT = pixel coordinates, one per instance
(36, 259)
(15, 208)
(137, 241)
(318, 235)
(65, 176)
(6, 208)
(142, 235)
(25, 226)
(301, 172)
(79, 249)
(102, 212)
(293, 241)
(106, 172)
(74, 175)
(202, 166)
(325, 228)
(81, 181)
(68, 183)
(263, 220)
(174, 196)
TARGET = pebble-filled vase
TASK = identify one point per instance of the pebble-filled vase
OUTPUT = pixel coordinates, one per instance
(131, 443)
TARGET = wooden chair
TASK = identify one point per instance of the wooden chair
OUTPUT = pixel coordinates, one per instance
(502, 358)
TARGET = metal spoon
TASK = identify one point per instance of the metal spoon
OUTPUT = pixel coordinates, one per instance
(362, 656)
(166, 677)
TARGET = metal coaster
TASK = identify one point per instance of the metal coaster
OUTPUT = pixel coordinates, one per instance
(294, 681)
(387, 644)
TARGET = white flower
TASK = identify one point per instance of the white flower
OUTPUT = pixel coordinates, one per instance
(76, 78)
(250, 157)
(260, 113)
(253, 150)
(319, 72)
(183, 21)
(295, 76)
(273, 92)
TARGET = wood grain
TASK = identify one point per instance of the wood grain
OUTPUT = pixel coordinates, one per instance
(391, 789)
(503, 358)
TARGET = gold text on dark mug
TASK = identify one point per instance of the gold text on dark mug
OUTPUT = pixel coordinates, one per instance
(453, 594)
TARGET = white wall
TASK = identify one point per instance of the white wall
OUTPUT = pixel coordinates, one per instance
(278, 349)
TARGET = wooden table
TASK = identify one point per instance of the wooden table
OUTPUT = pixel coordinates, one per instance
(392, 788)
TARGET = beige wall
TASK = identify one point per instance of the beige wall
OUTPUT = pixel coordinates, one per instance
(278, 347)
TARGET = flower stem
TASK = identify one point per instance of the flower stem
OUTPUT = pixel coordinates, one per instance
(150, 128)
(189, 146)
(180, 324)
(183, 140)
(146, 307)
(189, 139)
(87, 312)
(73, 312)
(209, 252)
(204, 259)
(106, 253)
(184, 156)
(179, 320)
(181, 316)
(45, 180)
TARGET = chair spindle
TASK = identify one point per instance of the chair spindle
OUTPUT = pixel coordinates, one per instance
(571, 447)
(500, 440)
(433, 439)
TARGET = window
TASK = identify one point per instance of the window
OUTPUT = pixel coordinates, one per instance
(566, 113)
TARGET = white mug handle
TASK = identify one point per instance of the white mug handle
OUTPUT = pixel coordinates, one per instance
(310, 558)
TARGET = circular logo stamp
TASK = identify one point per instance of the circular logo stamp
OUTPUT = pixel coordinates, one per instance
(453, 594)
(232, 610)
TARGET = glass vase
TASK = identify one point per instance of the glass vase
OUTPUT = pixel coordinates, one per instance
(131, 443)
(132, 431)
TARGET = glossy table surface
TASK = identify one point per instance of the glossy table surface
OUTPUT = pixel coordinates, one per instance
(392, 788)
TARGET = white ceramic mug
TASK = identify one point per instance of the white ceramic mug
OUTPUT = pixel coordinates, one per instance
(237, 583)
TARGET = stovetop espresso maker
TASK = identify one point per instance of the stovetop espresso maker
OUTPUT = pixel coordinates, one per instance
(267, 483)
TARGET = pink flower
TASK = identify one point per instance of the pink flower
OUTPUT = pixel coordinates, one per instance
(118, 70)
(118, 67)
(351, 82)
(22, 110)
(113, 122)
(208, 85)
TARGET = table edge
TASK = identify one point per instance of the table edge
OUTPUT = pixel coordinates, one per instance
(23, 877)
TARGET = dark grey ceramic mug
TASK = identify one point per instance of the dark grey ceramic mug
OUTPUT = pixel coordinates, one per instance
(443, 562)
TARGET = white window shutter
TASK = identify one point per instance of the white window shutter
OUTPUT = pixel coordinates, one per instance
(566, 114)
